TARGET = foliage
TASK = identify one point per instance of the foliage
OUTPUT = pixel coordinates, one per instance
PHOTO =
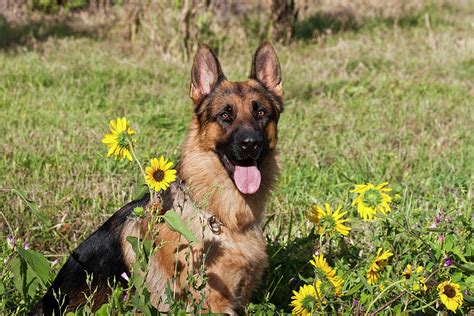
(50, 6)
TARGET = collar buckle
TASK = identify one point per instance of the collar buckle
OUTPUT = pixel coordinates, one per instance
(214, 225)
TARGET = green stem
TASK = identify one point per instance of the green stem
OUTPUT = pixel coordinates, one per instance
(380, 295)
(12, 232)
(422, 307)
(140, 166)
(416, 235)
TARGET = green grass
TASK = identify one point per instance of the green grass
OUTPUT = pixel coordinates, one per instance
(373, 104)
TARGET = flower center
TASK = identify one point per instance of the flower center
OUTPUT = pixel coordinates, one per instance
(122, 139)
(328, 223)
(449, 291)
(308, 303)
(159, 175)
(372, 198)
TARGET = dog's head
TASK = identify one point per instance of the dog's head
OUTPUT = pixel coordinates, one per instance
(237, 121)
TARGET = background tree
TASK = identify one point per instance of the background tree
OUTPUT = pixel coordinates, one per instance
(283, 16)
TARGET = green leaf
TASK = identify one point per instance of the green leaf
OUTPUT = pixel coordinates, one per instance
(134, 243)
(470, 281)
(18, 268)
(306, 280)
(397, 310)
(364, 298)
(38, 264)
(33, 207)
(103, 310)
(448, 245)
(140, 191)
(175, 223)
(355, 289)
(456, 277)
(137, 276)
(469, 299)
(25, 280)
(457, 251)
(468, 267)
(2, 288)
(147, 247)
(469, 251)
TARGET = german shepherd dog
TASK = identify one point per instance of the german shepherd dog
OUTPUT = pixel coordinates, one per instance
(228, 161)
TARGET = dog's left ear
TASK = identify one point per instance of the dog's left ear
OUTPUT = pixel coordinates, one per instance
(266, 68)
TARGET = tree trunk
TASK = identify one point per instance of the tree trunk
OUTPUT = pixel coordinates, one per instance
(283, 16)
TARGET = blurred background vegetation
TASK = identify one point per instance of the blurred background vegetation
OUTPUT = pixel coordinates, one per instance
(177, 26)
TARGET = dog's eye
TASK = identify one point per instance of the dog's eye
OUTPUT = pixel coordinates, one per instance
(261, 113)
(225, 116)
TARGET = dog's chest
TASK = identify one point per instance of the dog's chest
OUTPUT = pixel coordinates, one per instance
(237, 260)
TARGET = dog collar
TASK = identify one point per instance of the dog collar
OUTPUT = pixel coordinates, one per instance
(214, 224)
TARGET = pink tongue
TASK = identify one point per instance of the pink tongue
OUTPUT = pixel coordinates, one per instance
(247, 179)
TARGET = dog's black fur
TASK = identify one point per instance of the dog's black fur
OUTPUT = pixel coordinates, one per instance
(100, 255)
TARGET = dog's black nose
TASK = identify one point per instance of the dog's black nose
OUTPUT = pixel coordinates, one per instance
(250, 144)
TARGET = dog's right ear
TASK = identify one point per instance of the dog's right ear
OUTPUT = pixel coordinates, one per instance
(205, 74)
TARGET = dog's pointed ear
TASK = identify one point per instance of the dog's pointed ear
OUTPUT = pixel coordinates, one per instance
(266, 68)
(205, 74)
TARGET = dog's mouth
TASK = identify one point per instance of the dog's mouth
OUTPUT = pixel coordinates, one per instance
(245, 173)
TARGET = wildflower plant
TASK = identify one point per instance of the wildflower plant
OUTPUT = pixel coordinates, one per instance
(329, 221)
(372, 200)
(158, 177)
(304, 300)
(450, 295)
(369, 266)
(324, 272)
(120, 141)
(377, 266)
(159, 174)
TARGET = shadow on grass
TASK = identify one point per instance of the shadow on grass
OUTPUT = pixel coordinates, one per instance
(346, 20)
(286, 264)
(13, 36)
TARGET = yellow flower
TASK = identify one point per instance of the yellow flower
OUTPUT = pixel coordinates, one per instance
(120, 139)
(323, 270)
(159, 176)
(337, 283)
(407, 272)
(450, 295)
(321, 263)
(329, 221)
(304, 300)
(373, 274)
(372, 200)
(420, 284)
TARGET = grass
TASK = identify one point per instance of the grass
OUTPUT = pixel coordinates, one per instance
(381, 103)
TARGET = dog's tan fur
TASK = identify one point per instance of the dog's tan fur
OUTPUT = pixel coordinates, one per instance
(235, 257)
